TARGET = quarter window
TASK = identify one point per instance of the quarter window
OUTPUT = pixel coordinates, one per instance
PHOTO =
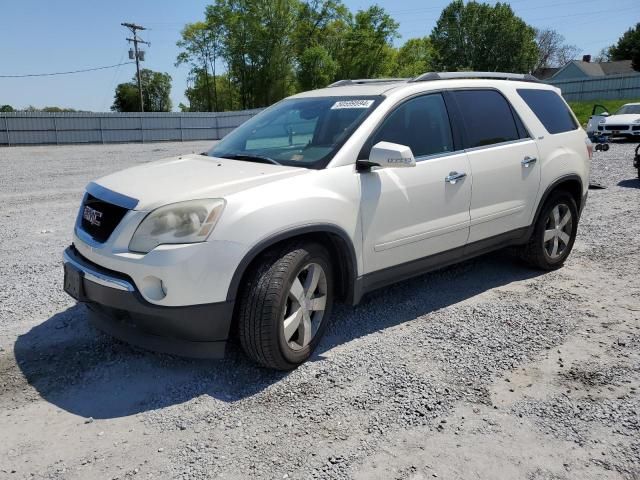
(421, 123)
(552, 112)
(487, 116)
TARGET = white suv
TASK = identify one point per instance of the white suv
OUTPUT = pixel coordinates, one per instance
(323, 197)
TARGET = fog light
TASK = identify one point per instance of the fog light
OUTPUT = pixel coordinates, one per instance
(153, 288)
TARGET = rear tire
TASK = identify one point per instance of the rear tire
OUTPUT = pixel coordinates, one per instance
(554, 233)
(285, 305)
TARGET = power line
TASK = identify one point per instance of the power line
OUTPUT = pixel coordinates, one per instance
(65, 73)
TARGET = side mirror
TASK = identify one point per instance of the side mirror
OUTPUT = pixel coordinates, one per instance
(605, 114)
(388, 155)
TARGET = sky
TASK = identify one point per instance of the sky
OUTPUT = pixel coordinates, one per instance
(38, 36)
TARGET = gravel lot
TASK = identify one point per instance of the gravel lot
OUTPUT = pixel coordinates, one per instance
(483, 370)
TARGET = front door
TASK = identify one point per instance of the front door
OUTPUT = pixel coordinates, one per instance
(412, 213)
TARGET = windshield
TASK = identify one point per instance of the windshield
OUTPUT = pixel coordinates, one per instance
(629, 109)
(303, 132)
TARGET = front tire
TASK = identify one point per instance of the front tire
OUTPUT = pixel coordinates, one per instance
(285, 305)
(554, 233)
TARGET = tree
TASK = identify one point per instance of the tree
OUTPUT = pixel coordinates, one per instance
(201, 44)
(478, 36)
(31, 108)
(6, 109)
(414, 58)
(552, 50)
(257, 47)
(628, 47)
(199, 90)
(368, 45)
(316, 68)
(317, 39)
(156, 93)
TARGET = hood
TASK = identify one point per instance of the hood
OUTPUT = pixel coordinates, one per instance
(627, 118)
(191, 177)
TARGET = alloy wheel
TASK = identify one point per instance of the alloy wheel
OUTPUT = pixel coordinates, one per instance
(305, 306)
(557, 232)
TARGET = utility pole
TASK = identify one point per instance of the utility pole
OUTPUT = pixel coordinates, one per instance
(139, 55)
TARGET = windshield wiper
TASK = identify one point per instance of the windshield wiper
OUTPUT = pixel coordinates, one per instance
(251, 158)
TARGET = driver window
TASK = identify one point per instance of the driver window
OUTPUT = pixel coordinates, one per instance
(422, 124)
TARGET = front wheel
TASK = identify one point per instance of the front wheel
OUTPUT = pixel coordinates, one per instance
(554, 233)
(285, 305)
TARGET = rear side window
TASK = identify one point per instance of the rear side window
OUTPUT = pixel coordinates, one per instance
(421, 123)
(487, 116)
(552, 112)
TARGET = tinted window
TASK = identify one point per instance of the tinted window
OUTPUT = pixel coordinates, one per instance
(487, 117)
(550, 110)
(421, 123)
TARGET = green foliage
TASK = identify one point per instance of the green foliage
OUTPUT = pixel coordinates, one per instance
(414, 58)
(479, 36)
(368, 49)
(201, 88)
(583, 108)
(6, 108)
(201, 43)
(31, 108)
(628, 47)
(273, 49)
(156, 91)
(316, 68)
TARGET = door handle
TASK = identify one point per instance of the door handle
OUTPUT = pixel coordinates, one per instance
(526, 161)
(453, 177)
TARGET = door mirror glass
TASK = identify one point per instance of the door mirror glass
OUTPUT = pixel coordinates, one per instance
(391, 155)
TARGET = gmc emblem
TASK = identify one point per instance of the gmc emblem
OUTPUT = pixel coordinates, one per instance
(92, 216)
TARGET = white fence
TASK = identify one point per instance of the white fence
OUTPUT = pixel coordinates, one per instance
(600, 88)
(33, 128)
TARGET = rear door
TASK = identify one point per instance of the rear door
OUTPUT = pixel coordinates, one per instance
(412, 213)
(503, 159)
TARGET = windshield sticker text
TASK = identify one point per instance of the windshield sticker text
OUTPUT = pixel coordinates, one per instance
(352, 104)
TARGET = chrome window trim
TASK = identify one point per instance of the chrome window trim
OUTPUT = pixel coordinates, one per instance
(501, 144)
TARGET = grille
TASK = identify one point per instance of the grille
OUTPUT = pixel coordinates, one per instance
(99, 218)
(616, 127)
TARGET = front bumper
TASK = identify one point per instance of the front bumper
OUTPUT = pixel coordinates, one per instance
(118, 308)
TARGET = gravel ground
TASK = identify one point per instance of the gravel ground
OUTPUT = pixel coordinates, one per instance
(482, 370)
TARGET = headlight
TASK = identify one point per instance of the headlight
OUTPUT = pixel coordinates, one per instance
(184, 222)
(636, 121)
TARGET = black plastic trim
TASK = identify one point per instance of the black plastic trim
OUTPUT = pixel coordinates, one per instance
(193, 330)
(550, 189)
(397, 273)
(351, 262)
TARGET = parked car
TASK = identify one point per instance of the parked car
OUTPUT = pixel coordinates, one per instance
(624, 123)
(323, 197)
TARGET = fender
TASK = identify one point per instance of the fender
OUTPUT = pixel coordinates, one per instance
(546, 194)
(350, 260)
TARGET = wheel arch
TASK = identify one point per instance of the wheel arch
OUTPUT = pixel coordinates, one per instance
(571, 184)
(332, 237)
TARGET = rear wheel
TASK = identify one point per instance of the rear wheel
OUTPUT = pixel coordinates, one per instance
(554, 233)
(285, 305)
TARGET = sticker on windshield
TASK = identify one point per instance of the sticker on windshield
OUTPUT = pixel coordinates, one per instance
(352, 104)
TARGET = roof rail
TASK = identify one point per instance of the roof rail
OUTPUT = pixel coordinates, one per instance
(365, 81)
(521, 77)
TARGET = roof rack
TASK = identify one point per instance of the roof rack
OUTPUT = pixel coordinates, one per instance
(365, 81)
(429, 76)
